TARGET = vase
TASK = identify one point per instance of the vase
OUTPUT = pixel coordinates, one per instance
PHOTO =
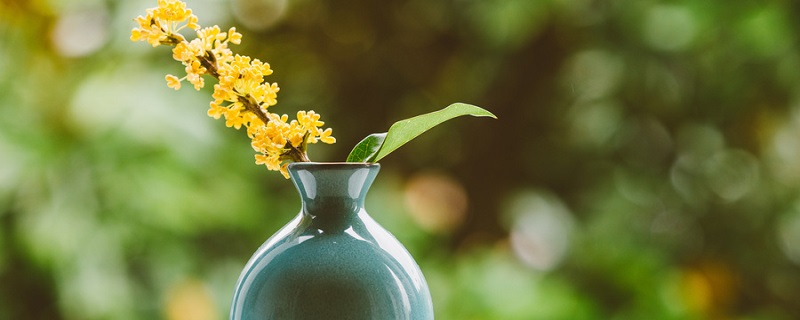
(332, 261)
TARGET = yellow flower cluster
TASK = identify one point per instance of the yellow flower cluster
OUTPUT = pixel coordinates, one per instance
(278, 134)
(241, 95)
(160, 22)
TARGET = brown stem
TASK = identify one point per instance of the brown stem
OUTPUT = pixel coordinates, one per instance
(209, 62)
(251, 105)
(295, 154)
(173, 39)
(302, 157)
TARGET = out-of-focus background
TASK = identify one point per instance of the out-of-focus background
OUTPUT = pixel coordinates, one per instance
(645, 164)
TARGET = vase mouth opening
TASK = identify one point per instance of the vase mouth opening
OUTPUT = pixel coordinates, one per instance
(332, 165)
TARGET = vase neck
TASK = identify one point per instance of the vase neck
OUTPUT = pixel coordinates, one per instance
(330, 190)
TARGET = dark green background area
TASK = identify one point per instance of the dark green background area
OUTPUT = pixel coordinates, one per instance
(645, 163)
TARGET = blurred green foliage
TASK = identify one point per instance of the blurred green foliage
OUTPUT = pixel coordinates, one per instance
(645, 164)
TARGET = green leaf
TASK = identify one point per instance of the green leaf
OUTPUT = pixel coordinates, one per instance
(367, 149)
(404, 131)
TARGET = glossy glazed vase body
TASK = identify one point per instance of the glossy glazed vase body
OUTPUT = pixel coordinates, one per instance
(332, 261)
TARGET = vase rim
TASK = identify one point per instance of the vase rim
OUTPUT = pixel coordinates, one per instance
(333, 165)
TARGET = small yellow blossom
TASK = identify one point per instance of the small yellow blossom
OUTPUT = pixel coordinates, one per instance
(215, 111)
(241, 95)
(173, 82)
(233, 36)
(326, 137)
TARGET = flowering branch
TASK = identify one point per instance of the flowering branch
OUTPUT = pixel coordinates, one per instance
(240, 96)
(243, 98)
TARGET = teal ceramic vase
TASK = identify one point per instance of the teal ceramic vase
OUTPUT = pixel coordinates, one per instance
(332, 261)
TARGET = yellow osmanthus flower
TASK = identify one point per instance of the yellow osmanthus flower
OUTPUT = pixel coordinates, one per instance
(241, 95)
(173, 82)
(168, 18)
